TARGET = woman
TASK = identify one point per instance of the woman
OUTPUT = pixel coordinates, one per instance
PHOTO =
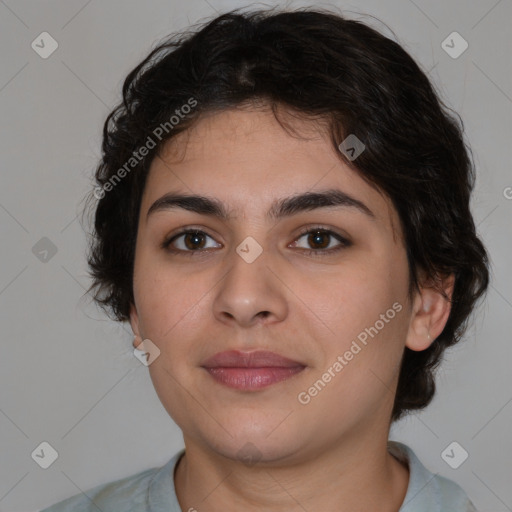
(284, 219)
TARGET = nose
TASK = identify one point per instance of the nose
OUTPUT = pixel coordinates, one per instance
(250, 293)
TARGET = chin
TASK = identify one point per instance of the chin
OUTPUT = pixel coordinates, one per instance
(251, 442)
(251, 451)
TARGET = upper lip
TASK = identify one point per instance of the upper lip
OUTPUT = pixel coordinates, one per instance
(255, 359)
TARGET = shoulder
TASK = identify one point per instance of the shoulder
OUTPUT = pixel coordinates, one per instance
(428, 492)
(132, 493)
(451, 494)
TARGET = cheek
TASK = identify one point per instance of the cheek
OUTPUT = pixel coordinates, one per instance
(354, 295)
(157, 297)
(366, 305)
(169, 302)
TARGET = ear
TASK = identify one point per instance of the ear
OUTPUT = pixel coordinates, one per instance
(430, 312)
(134, 322)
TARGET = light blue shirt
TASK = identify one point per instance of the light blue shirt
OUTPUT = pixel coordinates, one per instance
(153, 490)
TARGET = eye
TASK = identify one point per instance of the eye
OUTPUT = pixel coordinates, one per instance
(321, 239)
(193, 240)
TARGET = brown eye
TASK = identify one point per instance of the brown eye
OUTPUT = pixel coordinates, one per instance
(319, 241)
(191, 241)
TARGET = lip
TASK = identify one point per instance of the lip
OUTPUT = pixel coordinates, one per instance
(255, 359)
(250, 371)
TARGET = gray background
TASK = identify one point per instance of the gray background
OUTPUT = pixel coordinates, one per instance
(68, 375)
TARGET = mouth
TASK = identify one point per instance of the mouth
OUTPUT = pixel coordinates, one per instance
(251, 371)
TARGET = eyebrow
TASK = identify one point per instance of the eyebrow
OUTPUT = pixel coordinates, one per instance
(284, 207)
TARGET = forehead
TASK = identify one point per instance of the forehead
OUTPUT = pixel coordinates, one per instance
(247, 160)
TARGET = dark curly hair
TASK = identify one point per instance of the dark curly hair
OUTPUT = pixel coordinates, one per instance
(329, 69)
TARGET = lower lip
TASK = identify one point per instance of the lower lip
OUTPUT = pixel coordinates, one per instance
(249, 379)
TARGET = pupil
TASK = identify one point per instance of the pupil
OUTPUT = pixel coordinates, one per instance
(318, 235)
(195, 237)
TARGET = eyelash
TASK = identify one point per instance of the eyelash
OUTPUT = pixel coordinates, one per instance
(344, 243)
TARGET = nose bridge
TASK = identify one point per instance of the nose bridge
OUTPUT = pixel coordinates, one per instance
(250, 288)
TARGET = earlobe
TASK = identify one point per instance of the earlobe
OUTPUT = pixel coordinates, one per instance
(432, 306)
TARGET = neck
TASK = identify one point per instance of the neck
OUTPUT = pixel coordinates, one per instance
(349, 476)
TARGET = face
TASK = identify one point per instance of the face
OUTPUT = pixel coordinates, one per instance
(325, 287)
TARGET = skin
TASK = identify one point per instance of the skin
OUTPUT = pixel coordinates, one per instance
(331, 453)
